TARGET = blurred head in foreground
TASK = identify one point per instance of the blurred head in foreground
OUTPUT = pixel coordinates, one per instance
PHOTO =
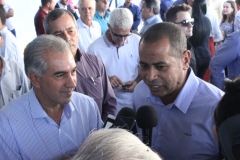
(115, 143)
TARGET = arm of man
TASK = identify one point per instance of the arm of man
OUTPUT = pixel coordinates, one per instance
(10, 13)
(227, 53)
(8, 145)
(109, 105)
(137, 19)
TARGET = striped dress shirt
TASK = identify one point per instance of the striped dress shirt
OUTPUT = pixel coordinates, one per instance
(27, 132)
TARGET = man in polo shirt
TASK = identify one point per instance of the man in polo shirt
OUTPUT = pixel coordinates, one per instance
(47, 6)
(118, 49)
(102, 15)
(88, 29)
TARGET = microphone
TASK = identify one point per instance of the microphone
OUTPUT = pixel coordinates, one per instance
(125, 119)
(147, 118)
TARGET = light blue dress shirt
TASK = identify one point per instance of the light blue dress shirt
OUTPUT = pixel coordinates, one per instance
(27, 132)
(103, 21)
(184, 130)
(228, 56)
(150, 22)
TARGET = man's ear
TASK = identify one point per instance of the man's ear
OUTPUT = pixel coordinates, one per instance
(186, 59)
(34, 79)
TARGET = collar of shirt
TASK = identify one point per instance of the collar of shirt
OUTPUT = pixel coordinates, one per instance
(62, 6)
(131, 5)
(98, 15)
(79, 55)
(4, 30)
(149, 20)
(110, 44)
(185, 96)
(83, 25)
(38, 112)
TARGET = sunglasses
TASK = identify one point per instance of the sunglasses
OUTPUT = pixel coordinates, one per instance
(120, 36)
(186, 22)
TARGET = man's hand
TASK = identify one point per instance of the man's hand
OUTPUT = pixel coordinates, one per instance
(115, 81)
(131, 88)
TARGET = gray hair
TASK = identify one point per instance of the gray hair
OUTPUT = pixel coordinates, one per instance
(155, 4)
(80, 1)
(36, 50)
(53, 15)
(114, 143)
(122, 18)
(173, 32)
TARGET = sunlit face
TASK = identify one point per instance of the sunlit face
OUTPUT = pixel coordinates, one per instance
(145, 11)
(118, 35)
(87, 10)
(2, 2)
(102, 5)
(227, 8)
(128, 2)
(59, 81)
(184, 16)
(65, 28)
(52, 5)
(64, 2)
(162, 73)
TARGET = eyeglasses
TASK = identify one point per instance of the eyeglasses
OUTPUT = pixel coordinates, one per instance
(120, 36)
(186, 22)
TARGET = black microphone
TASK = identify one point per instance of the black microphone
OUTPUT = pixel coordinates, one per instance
(147, 118)
(125, 119)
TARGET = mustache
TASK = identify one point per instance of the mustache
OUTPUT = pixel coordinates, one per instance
(154, 83)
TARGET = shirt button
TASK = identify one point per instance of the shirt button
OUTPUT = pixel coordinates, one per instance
(160, 133)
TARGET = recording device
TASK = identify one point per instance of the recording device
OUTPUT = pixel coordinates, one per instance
(125, 87)
(109, 122)
(147, 118)
(125, 119)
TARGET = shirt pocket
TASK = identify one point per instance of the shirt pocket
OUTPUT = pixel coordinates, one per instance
(95, 87)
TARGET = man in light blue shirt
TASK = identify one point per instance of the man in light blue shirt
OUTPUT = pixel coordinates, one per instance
(102, 15)
(185, 103)
(228, 56)
(150, 14)
(51, 121)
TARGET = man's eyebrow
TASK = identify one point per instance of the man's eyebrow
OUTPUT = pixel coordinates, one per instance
(60, 31)
(60, 72)
(157, 63)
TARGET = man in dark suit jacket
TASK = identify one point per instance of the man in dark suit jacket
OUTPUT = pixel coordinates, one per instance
(63, 4)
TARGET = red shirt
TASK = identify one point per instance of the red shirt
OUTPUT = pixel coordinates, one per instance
(38, 21)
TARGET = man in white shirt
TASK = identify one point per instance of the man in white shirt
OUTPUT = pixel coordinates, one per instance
(63, 4)
(88, 29)
(118, 49)
(9, 48)
(9, 14)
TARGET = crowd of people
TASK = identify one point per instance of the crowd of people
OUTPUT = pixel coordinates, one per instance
(92, 59)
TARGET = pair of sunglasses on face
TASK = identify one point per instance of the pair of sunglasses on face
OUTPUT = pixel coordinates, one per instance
(186, 22)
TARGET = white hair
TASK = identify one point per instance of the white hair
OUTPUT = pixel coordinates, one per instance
(122, 18)
(112, 144)
(93, 1)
